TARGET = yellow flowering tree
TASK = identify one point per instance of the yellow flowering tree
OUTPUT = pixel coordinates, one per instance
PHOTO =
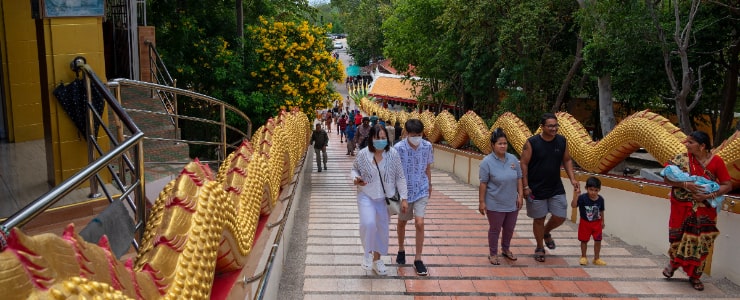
(294, 65)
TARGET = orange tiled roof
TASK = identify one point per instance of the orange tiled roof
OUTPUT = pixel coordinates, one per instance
(392, 87)
(386, 64)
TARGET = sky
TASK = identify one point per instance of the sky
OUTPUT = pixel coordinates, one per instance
(316, 2)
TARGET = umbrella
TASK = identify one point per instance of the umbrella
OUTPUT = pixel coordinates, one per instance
(73, 98)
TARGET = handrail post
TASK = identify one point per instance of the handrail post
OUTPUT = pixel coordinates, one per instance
(119, 132)
(175, 111)
(140, 192)
(223, 134)
(151, 66)
(90, 135)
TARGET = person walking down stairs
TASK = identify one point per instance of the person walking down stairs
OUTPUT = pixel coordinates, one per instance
(319, 140)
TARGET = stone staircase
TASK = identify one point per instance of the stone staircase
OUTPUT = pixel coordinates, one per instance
(155, 126)
(324, 258)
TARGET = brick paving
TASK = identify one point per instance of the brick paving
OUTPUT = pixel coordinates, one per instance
(456, 253)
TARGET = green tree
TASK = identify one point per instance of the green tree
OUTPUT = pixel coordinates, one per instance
(328, 14)
(621, 58)
(674, 23)
(294, 66)
(362, 21)
(720, 41)
(473, 30)
(536, 41)
(698, 40)
(420, 46)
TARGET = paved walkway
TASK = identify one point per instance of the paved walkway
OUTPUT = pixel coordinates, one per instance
(456, 253)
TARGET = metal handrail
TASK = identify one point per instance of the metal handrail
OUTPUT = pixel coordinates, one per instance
(223, 107)
(160, 75)
(133, 194)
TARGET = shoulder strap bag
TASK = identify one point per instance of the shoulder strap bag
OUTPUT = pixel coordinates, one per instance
(393, 203)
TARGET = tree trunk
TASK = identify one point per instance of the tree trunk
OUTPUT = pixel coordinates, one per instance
(681, 37)
(577, 62)
(729, 93)
(606, 105)
(240, 20)
(682, 109)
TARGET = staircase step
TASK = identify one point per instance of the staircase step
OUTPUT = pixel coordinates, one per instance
(55, 220)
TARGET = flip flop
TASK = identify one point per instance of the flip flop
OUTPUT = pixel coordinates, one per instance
(549, 242)
(696, 284)
(509, 255)
(539, 254)
(493, 259)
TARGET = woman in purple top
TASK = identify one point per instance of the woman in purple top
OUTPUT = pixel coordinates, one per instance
(500, 195)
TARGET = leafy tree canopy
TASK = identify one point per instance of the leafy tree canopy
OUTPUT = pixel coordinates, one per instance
(294, 65)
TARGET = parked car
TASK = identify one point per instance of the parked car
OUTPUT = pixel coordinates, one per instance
(338, 45)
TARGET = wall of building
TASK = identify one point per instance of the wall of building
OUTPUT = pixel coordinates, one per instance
(31, 109)
(21, 72)
(65, 39)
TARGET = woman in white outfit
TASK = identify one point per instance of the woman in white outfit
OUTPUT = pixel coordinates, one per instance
(374, 219)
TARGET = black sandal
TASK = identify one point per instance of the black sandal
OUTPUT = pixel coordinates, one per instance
(509, 255)
(696, 284)
(549, 242)
(539, 254)
(668, 271)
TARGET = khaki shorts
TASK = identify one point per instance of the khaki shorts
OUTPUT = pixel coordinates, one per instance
(416, 209)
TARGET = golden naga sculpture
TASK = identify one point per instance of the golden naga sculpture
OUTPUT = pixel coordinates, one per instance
(643, 129)
(200, 225)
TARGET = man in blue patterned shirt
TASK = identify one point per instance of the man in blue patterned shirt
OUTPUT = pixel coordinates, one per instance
(417, 158)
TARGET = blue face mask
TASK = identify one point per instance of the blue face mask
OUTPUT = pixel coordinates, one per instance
(380, 144)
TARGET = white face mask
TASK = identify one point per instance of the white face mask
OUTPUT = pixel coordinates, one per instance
(414, 140)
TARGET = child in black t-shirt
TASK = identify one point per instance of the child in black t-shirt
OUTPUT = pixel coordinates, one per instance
(591, 208)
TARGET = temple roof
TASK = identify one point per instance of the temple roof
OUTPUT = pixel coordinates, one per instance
(392, 88)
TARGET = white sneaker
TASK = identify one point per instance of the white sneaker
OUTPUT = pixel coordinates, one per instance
(379, 267)
(367, 262)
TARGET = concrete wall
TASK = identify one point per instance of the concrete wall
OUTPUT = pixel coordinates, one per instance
(636, 212)
(463, 164)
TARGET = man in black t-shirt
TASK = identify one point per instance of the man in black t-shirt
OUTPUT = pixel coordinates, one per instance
(542, 156)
